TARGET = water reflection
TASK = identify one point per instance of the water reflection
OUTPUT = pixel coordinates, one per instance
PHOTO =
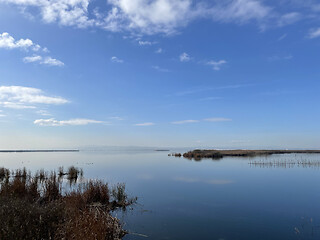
(307, 229)
(196, 180)
(231, 198)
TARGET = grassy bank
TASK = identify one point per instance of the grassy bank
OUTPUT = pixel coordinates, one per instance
(56, 206)
(216, 154)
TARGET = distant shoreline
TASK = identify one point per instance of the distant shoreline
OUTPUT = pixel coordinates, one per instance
(22, 151)
(199, 154)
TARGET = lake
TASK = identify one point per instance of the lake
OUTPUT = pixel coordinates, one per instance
(224, 199)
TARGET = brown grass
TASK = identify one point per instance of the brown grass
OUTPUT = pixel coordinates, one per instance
(37, 207)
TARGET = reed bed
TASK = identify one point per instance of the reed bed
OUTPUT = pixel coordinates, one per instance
(37, 206)
(285, 163)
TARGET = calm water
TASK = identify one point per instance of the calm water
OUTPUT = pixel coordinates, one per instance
(227, 199)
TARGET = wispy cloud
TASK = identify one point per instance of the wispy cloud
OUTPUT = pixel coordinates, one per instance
(209, 98)
(185, 121)
(16, 105)
(145, 43)
(279, 57)
(117, 118)
(240, 11)
(216, 64)
(144, 124)
(217, 119)
(52, 62)
(203, 89)
(289, 18)
(72, 122)
(46, 61)
(19, 97)
(283, 36)
(314, 33)
(159, 50)
(184, 57)
(116, 60)
(1, 114)
(44, 113)
(34, 58)
(160, 69)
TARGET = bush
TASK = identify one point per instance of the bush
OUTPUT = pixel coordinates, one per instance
(35, 207)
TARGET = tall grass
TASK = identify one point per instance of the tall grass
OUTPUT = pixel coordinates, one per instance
(38, 207)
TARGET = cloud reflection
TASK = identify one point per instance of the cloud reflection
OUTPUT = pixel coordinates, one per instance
(196, 180)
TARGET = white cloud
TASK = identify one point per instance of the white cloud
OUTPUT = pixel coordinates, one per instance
(72, 122)
(206, 119)
(289, 18)
(46, 61)
(184, 57)
(34, 58)
(9, 42)
(279, 58)
(158, 16)
(117, 118)
(185, 121)
(67, 13)
(144, 124)
(43, 113)
(52, 62)
(18, 97)
(217, 119)
(36, 47)
(240, 11)
(116, 60)
(216, 64)
(159, 50)
(16, 105)
(145, 43)
(314, 33)
(160, 69)
(151, 16)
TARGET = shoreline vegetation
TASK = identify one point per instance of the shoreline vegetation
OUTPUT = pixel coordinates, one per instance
(59, 205)
(218, 154)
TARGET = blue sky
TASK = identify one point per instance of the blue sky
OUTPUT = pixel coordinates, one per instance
(239, 74)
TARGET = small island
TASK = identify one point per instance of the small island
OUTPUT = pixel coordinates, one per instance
(217, 154)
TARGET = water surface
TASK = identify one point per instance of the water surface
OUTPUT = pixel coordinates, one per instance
(209, 199)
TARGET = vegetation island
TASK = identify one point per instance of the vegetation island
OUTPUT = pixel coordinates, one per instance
(217, 154)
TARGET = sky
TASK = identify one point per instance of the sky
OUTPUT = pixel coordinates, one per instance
(165, 73)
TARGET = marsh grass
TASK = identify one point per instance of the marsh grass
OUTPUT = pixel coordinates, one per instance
(285, 163)
(38, 207)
